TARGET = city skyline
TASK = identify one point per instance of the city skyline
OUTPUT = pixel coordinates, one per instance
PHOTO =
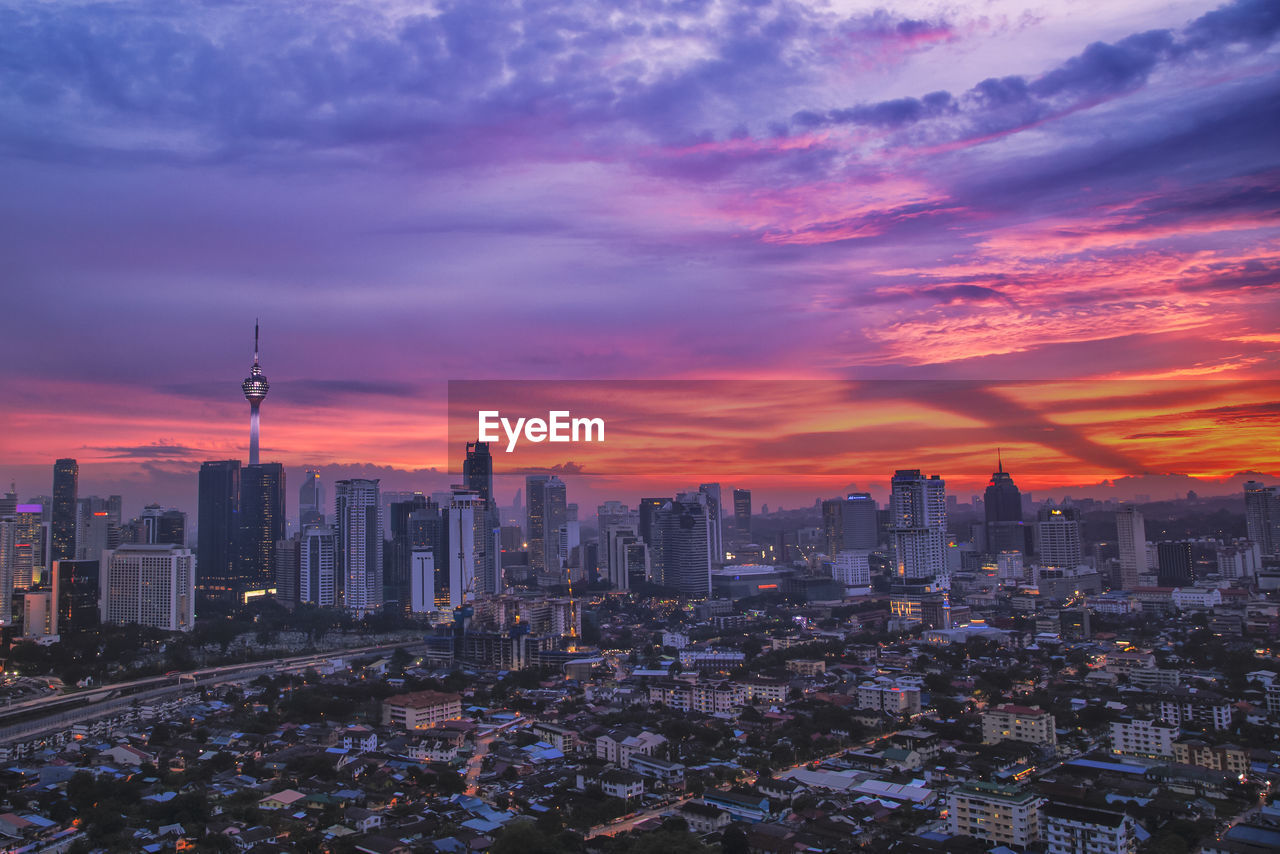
(1013, 193)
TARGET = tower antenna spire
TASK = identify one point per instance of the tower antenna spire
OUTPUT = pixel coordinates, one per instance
(255, 340)
(999, 462)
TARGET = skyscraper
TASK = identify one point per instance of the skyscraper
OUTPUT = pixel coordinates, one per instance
(27, 548)
(715, 515)
(1131, 538)
(742, 513)
(218, 537)
(849, 523)
(546, 507)
(62, 534)
(160, 526)
(460, 527)
(1262, 515)
(149, 585)
(477, 470)
(1174, 566)
(310, 500)
(1002, 502)
(317, 583)
(255, 388)
(1058, 542)
(77, 583)
(682, 553)
(918, 524)
(427, 533)
(358, 514)
(646, 512)
(262, 523)
(477, 475)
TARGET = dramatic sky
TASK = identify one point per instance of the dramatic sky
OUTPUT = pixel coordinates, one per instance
(411, 193)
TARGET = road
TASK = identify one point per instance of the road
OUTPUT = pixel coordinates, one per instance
(34, 718)
(622, 825)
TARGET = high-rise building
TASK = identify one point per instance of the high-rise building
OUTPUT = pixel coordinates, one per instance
(6, 570)
(79, 594)
(98, 525)
(682, 545)
(1262, 515)
(218, 530)
(310, 500)
(255, 387)
(288, 570)
(62, 533)
(1073, 829)
(262, 524)
(159, 526)
(398, 551)
(1002, 504)
(317, 562)
(852, 568)
(427, 533)
(27, 547)
(849, 523)
(715, 514)
(422, 574)
(1058, 542)
(477, 476)
(616, 539)
(460, 542)
(546, 508)
(1000, 815)
(646, 512)
(1174, 565)
(477, 470)
(918, 524)
(742, 513)
(358, 514)
(1131, 538)
(149, 585)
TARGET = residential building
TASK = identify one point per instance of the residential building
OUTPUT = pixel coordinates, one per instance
(421, 710)
(1001, 815)
(1019, 723)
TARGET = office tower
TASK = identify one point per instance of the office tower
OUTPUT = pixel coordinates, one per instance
(149, 585)
(218, 530)
(460, 544)
(9, 501)
(27, 547)
(742, 513)
(715, 514)
(860, 528)
(1174, 565)
(1009, 567)
(682, 551)
(477, 476)
(1262, 515)
(1058, 543)
(79, 594)
(646, 512)
(358, 514)
(255, 388)
(545, 499)
(62, 533)
(422, 576)
(615, 539)
(6, 569)
(1131, 538)
(1002, 503)
(852, 568)
(477, 470)
(288, 570)
(569, 538)
(832, 526)
(160, 526)
(310, 500)
(98, 526)
(317, 562)
(40, 614)
(398, 550)
(427, 532)
(918, 525)
(262, 523)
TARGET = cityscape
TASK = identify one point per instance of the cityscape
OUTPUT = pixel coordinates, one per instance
(673, 427)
